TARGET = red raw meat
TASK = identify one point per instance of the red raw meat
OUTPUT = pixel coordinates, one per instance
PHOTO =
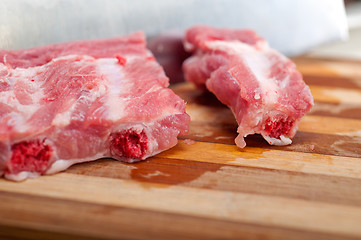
(262, 87)
(132, 44)
(78, 108)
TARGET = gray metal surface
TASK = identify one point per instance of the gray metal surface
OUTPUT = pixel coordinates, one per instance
(291, 26)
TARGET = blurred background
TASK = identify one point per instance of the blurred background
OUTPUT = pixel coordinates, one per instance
(351, 47)
(322, 28)
(293, 27)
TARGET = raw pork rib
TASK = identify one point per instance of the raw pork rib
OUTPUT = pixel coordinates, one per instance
(262, 87)
(78, 108)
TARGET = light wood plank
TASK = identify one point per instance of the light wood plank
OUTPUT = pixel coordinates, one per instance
(336, 95)
(56, 219)
(228, 206)
(330, 125)
(341, 110)
(313, 187)
(265, 158)
(334, 68)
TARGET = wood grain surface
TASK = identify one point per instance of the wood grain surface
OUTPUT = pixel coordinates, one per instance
(206, 187)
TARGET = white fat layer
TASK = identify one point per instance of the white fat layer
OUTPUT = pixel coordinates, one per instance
(278, 142)
(240, 141)
(188, 46)
(118, 85)
(62, 119)
(257, 61)
(61, 164)
(283, 141)
(21, 112)
(21, 176)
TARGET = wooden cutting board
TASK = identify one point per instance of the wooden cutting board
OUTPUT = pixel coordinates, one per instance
(206, 187)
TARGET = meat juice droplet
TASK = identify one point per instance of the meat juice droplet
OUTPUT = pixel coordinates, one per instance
(189, 141)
